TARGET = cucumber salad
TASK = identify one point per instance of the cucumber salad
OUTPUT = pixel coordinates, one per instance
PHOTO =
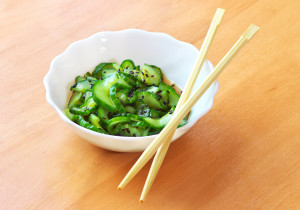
(122, 100)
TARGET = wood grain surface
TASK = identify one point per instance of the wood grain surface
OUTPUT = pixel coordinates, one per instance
(244, 154)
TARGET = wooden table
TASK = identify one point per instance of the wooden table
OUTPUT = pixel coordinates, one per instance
(244, 154)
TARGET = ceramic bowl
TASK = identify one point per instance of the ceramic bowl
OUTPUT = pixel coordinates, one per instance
(175, 58)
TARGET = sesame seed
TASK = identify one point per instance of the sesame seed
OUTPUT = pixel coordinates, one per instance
(147, 75)
(74, 85)
(152, 75)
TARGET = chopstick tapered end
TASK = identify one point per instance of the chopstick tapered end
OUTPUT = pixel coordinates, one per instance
(141, 201)
(251, 31)
(119, 188)
(218, 16)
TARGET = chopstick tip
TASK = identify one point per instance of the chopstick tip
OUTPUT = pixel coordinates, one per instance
(251, 31)
(141, 201)
(218, 16)
(221, 10)
(119, 188)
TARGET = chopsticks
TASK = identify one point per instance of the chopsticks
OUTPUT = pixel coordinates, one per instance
(167, 133)
(248, 34)
(162, 151)
(189, 85)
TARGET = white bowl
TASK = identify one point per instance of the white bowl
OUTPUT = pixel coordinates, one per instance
(175, 58)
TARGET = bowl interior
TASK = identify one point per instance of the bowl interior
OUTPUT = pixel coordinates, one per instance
(174, 57)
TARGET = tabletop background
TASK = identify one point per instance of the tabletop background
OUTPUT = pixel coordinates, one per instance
(244, 154)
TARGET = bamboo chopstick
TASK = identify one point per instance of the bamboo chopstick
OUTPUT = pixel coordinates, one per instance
(162, 151)
(248, 34)
(194, 74)
(179, 115)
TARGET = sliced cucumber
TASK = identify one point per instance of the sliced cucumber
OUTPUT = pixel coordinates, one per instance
(98, 69)
(70, 115)
(104, 115)
(86, 108)
(130, 109)
(161, 122)
(87, 125)
(115, 99)
(129, 130)
(83, 85)
(107, 72)
(87, 95)
(173, 97)
(101, 91)
(87, 74)
(127, 64)
(75, 99)
(159, 70)
(79, 78)
(95, 121)
(152, 100)
(151, 75)
(113, 123)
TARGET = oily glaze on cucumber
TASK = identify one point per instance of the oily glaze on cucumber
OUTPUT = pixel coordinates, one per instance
(123, 100)
(101, 90)
(107, 72)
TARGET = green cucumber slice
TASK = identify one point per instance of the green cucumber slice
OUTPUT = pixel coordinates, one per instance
(104, 115)
(83, 85)
(173, 97)
(107, 72)
(95, 122)
(75, 99)
(115, 99)
(151, 75)
(87, 125)
(127, 64)
(70, 115)
(86, 108)
(129, 130)
(79, 78)
(159, 70)
(101, 91)
(99, 68)
(152, 100)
